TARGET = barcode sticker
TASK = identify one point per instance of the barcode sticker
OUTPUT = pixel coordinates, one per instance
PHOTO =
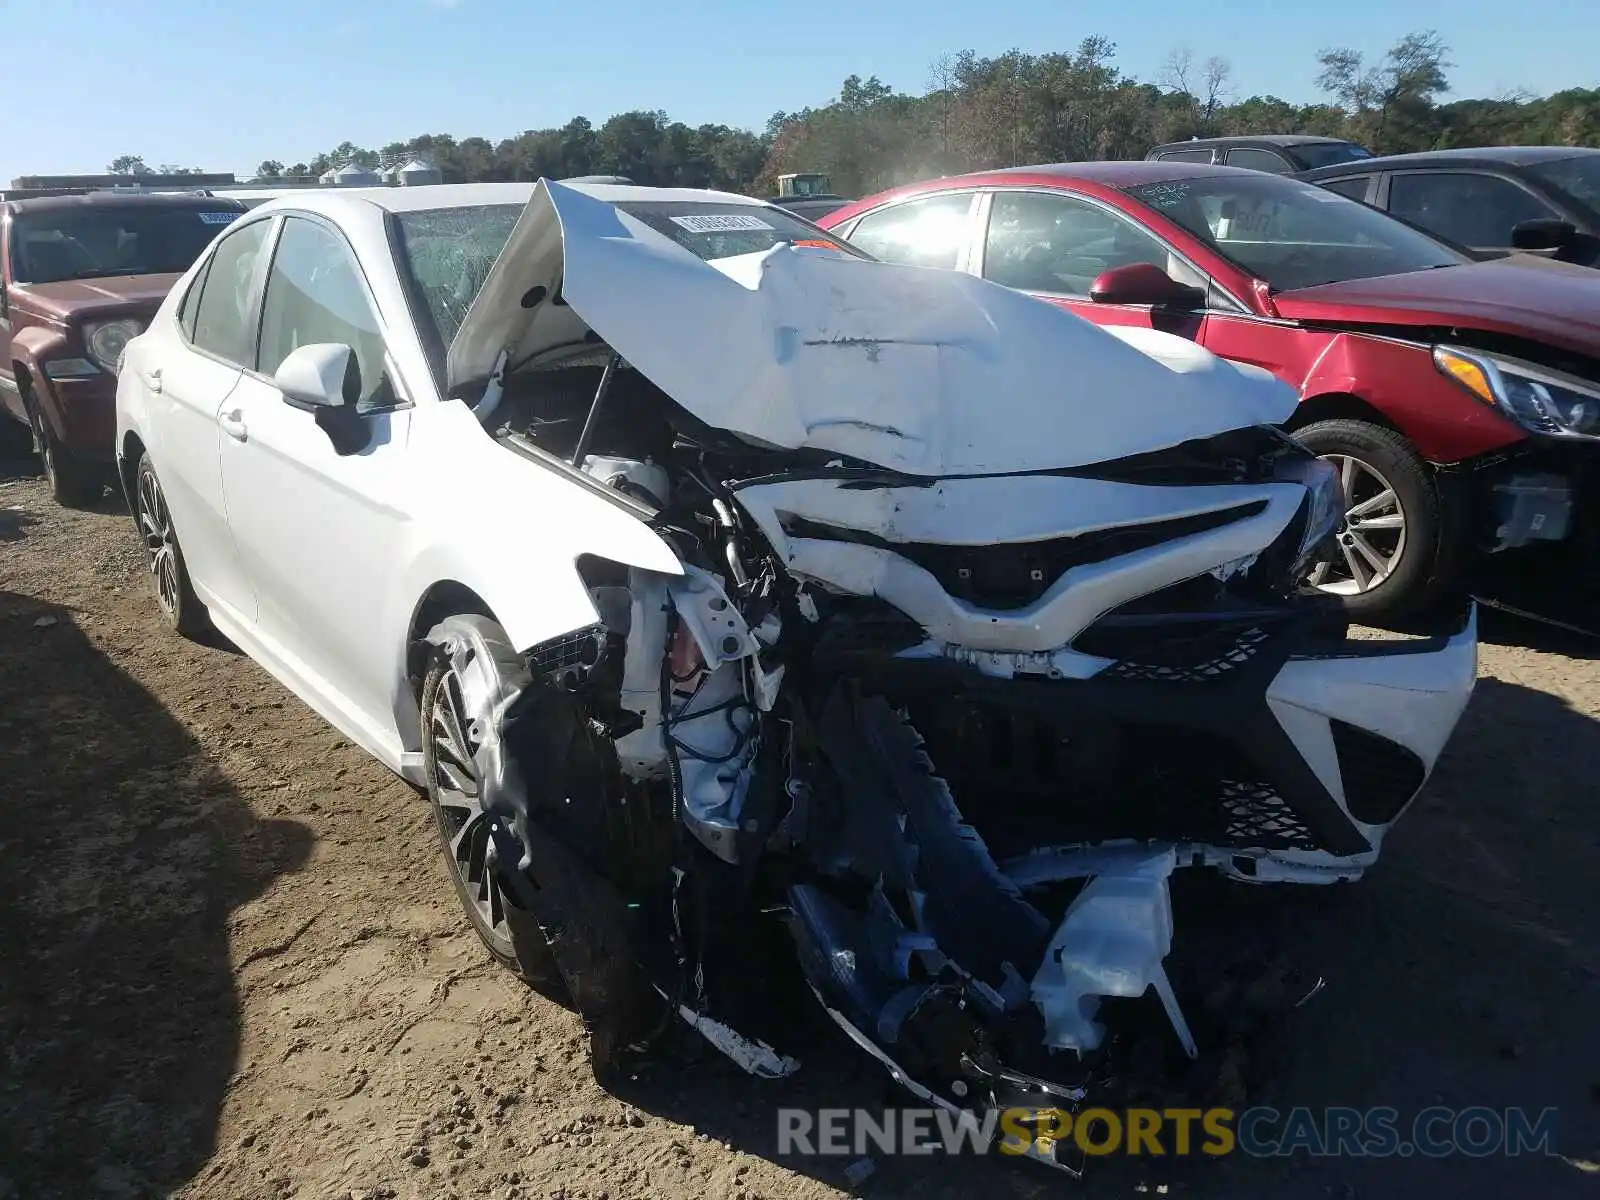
(219, 218)
(721, 223)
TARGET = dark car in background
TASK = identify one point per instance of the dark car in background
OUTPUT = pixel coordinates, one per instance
(1278, 153)
(1460, 399)
(81, 275)
(812, 208)
(1492, 199)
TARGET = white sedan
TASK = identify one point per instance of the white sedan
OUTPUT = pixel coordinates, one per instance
(702, 568)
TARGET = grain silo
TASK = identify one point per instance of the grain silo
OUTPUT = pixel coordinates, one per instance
(354, 175)
(416, 172)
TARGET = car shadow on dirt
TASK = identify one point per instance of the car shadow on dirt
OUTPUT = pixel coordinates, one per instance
(1461, 972)
(1577, 638)
(123, 855)
(15, 467)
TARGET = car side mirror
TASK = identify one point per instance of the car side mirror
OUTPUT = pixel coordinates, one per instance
(320, 376)
(1542, 233)
(1144, 283)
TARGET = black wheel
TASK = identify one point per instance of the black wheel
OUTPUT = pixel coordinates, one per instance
(1390, 559)
(74, 483)
(449, 743)
(175, 596)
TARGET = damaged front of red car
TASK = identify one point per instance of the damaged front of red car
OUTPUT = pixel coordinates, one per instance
(987, 624)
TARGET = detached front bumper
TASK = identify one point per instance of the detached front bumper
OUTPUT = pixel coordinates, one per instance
(1271, 750)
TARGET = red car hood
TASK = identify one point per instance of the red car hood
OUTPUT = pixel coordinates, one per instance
(75, 297)
(1524, 296)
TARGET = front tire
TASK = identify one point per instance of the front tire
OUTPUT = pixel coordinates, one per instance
(73, 482)
(1391, 559)
(175, 595)
(512, 935)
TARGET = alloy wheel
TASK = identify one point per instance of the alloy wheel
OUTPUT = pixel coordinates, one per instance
(1372, 539)
(161, 547)
(458, 808)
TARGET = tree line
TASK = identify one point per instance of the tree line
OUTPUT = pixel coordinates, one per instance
(977, 112)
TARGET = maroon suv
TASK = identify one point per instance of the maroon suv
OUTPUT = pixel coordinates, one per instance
(80, 276)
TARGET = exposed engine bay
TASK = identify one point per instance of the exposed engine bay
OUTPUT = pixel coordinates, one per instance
(954, 734)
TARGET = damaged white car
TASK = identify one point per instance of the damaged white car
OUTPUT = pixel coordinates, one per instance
(718, 581)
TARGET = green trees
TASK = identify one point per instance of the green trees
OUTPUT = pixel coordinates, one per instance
(976, 112)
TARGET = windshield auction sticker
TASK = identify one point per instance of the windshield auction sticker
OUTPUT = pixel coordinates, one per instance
(720, 223)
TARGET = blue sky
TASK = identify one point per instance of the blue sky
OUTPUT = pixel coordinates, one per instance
(223, 85)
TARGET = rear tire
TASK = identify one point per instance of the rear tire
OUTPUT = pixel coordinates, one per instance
(169, 575)
(1393, 556)
(74, 482)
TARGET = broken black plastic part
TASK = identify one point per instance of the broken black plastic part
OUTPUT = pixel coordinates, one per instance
(542, 753)
(976, 915)
(1225, 712)
(1380, 776)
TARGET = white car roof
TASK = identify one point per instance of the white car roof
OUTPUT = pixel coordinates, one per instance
(465, 195)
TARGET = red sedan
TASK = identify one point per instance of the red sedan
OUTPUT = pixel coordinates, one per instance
(1460, 399)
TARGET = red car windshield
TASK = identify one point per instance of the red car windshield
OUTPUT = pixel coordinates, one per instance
(1292, 234)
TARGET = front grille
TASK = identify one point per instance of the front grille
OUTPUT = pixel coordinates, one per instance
(1184, 654)
(1015, 574)
(1379, 776)
(1023, 781)
(1255, 816)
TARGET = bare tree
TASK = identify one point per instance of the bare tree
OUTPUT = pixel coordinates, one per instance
(942, 82)
(1177, 71)
(1205, 85)
(1215, 79)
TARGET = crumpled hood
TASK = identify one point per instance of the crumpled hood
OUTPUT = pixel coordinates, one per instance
(919, 370)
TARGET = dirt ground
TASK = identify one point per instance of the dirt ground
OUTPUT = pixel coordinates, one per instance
(231, 965)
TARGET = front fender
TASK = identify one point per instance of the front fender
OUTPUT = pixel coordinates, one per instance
(30, 348)
(1398, 378)
(512, 530)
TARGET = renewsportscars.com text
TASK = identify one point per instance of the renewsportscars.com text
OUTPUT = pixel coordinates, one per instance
(1438, 1132)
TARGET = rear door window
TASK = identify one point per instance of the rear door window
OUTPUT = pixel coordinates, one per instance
(1188, 156)
(931, 231)
(224, 319)
(1258, 160)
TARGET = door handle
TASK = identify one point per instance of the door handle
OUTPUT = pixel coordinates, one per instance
(152, 379)
(233, 425)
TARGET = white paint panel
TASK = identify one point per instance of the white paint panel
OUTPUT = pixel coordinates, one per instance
(1413, 699)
